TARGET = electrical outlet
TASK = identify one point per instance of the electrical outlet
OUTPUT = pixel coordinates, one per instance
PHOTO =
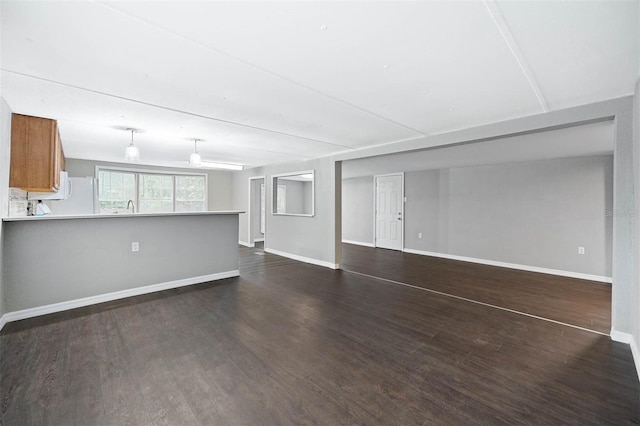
(135, 246)
(419, 234)
(580, 250)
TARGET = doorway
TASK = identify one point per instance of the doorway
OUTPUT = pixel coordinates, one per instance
(389, 212)
(256, 212)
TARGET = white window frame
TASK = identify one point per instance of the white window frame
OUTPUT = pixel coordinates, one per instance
(274, 190)
(138, 171)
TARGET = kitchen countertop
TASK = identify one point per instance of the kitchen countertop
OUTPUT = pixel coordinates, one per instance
(113, 216)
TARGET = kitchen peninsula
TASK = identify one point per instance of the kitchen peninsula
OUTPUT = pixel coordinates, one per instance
(55, 263)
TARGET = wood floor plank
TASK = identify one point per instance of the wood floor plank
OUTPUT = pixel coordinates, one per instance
(574, 301)
(292, 343)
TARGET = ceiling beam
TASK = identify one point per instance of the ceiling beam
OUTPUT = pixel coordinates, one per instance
(503, 28)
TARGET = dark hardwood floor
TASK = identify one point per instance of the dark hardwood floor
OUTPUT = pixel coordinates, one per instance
(291, 343)
(569, 300)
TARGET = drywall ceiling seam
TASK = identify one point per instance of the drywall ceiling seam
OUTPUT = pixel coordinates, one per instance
(260, 68)
(179, 111)
(503, 28)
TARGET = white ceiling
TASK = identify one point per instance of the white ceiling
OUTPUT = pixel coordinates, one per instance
(266, 82)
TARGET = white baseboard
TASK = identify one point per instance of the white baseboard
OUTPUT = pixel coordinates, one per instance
(258, 240)
(244, 243)
(618, 336)
(93, 300)
(636, 355)
(358, 243)
(303, 259)
(514, 266)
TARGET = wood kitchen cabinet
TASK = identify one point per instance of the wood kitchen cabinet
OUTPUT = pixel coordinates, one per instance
(36, 154)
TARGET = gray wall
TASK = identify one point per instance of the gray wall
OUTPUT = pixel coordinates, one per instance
(219, 182)
(425, 212)
(357, 209)
(307, 197)
(5, 161)
(535, 213)
(311, 237)
(295, 198)
(54, 260)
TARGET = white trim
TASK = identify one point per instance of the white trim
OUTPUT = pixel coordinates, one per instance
(358, 243)
(249, 233)
(375, 207)
(3, 321)
(293, 214)
(93, 300)
(246, 244)
(636, 355)
(558, 272)
(618, 336)
(303, 259)
(274, 186)
(258, 240)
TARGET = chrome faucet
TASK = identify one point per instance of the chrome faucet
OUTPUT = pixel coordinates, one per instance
(133, 207)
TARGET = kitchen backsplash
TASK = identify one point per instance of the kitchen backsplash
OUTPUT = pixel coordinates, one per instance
(18, 202)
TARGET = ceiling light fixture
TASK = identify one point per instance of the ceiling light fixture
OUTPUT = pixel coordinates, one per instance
(213, 165)
(195, 160)
(132, 153)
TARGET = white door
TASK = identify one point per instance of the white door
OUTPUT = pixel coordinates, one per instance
(389, 218)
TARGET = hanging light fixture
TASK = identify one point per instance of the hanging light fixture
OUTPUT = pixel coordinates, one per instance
(132, 153)
(195, 160)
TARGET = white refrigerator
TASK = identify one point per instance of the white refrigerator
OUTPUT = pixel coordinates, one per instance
(81, 201)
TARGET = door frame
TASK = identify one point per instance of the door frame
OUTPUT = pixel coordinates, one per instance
(375, 207)
(250, 239)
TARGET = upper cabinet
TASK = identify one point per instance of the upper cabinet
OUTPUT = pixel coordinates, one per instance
(36, 154)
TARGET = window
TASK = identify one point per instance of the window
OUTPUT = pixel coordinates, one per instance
(150, 192)
(155, 193)
(115, 189)
(191, 193)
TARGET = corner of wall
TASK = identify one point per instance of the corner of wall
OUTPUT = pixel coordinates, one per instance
(635, 329)
(5, 162)
(636, 355)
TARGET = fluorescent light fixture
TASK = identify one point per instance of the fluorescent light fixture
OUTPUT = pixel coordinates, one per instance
(132, 153)
(213, 165)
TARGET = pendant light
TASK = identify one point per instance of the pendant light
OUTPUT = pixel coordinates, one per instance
(195, 160)
(132, 153)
